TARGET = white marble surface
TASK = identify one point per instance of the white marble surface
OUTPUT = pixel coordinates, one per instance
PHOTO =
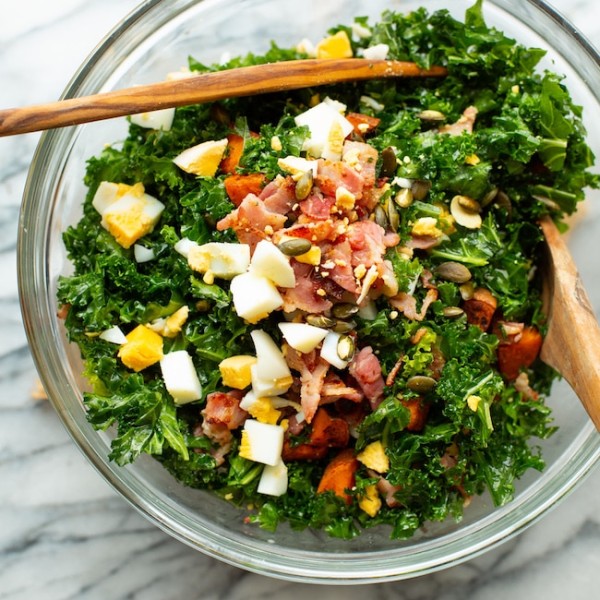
(65, 534)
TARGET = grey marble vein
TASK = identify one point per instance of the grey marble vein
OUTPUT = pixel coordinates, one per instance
(66, 535)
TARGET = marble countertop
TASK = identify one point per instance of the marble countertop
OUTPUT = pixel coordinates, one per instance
(64, 533)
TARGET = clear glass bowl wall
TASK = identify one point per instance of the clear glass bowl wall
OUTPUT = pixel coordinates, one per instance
(156, 39)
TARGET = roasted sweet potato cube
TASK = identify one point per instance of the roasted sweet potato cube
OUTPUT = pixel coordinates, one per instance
(419, 410)
(339, 475)
(519, 353)
(239, 186)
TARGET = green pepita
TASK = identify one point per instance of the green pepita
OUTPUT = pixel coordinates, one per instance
(321, 321)
(453, 271)
(421, 384)
(295, 247)
(344, 310)
(304, 185)
(345, 347)
(389, 162)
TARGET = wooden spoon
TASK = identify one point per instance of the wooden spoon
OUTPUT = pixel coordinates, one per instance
(205, 87)
(572, 343)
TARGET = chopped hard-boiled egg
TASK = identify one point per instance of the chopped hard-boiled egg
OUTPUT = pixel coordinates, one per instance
(329, 350)
(334, 46)
(143, 348)
(114, 335)
(333, 146)
(376, 52)
(261, 442)
(311, 257)
(297, 166)
(271, 375)
(254, 296)
(180, 377)
(175, 322)
(202, 159)
(128, 213)
(270, 262)
(274, 480)
(260, 407)
(142, 254)
(156, 119)
(302, 336)
(370, 502)
(184, 245)
(235, 371)
(221, 259)
(323, 121)
(374, 457)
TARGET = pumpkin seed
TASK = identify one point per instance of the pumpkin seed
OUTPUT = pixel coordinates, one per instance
(421, 384)
(389, 162)
(465, 216)
(453, 271)
(202, 305)
(469, 204)
(320, 321)
(344, 310)
(431, 115)
(503, 201)
(381, 218)
(404, 198)
(452, 311)
(342, 326)
(392, 214)
(295, 247)
(304, 185)
(420, 188)
(345, 347)
(489, 197)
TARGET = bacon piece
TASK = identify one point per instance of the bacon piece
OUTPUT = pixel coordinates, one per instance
(522, 386)
(365, 368)
(367, 242)
(332, 175)
(312, 369)
(407, 304)
(239, 186)
(423, 242)
(317, 206)
(340, 256)
(249, 221)
(363, 124)
(224, 409)
(278, 196)
(386, 489)
(465, 123)
(304, 295)
(365, 156)
(389, 380)
(335, 389)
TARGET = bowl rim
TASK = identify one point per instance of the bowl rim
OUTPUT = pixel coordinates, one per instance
(33, 277)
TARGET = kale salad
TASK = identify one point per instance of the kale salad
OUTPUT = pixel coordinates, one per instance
(324, 305)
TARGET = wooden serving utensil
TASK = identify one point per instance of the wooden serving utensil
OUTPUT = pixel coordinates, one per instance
(572, 343)
(205, 87)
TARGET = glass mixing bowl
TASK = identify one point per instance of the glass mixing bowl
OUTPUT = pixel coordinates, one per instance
(155, 39)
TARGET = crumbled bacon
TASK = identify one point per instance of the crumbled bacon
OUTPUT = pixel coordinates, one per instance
(335, 389)
(386, 489)
(340, 256)
(407, 304)
(304, 295)
(251, 220)
(366, 159)
(332, 175)
(367, 242)
(465, 123)
(365, 368)
(522, 386)
(312, 369)
(224, 409)
(278, 196)
(317, 206)
(389, 380)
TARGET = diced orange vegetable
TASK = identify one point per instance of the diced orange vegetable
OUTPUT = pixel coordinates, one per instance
(480, 308)
(362, 124)
(419, 410)
(302, 452)
(339, 475)
(239, 186)
(328, 431)
(235, 148)
(514, 356)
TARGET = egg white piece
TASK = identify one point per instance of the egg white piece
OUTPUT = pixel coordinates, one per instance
(296, 165)
(180, 377)
(142, 254)
(329, 350)
(274, 480)
(270, 363)
(302, 336)
(269, 387)
(261, 442)
(222, 259)
(184, 245)
(105, 195)
(376, 52)
(319, 119)
(270, 262)
(156, 119)
(202, 159)
(254, 296)
(114, 335)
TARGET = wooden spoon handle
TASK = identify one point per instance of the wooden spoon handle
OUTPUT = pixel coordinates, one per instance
(572, 343)
(205, 87)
